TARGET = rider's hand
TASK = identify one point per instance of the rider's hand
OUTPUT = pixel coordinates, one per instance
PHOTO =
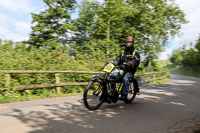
(114, 63)
(121, 72)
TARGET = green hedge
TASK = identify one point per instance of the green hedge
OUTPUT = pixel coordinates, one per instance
(20, 57)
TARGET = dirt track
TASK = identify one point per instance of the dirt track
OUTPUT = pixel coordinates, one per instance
(173, 107)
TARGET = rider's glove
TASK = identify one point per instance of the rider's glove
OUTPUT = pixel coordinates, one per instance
(125, 66)
(114, 63)
(121, 72)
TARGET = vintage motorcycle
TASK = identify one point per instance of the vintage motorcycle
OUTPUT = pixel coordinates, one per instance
(99, 90)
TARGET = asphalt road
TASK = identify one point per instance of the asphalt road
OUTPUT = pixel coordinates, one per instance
(173, 107)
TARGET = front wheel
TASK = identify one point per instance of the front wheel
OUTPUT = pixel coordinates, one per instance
(94, 95)
(132, 92)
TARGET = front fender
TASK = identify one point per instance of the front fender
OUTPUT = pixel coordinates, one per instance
(97, 79)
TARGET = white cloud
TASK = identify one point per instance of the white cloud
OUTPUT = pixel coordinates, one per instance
(101, 1)
(15, 18)
(190, 31)
(16, 5)
(11, 29)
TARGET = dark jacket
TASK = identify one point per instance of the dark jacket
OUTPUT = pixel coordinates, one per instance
(126, 59)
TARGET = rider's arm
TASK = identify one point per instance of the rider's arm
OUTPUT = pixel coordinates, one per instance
(117, 60)
(130, 65)
(135, 61)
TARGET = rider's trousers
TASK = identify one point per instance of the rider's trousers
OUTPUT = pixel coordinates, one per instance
(126, 81)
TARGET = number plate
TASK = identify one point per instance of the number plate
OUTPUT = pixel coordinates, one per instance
(108, 68)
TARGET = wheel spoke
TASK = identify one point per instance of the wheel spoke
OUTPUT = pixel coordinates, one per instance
(131, 93)
(93, 95)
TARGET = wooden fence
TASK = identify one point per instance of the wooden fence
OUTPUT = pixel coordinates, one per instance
(58, 84)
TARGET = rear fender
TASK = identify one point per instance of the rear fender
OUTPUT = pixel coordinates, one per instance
(136, 86)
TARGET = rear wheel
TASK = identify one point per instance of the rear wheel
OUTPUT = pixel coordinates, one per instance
(132, 93)
(94, 95)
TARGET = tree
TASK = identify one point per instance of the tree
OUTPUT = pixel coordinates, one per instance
(53, 25)
(197, 47)
(154, 22)
(150, 22)
(187, 57)
(178, 56)
(92, 35)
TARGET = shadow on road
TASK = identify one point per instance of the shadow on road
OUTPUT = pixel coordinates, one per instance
(72, 118)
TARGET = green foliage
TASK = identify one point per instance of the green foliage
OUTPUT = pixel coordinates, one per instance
(52, 26)
(97, 49)
(12, 96)
(151, 22)
(177, 56)
(187, 59)
(187, 71)
(20, 57)
(158, 82)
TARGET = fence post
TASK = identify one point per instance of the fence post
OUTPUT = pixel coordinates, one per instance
(7, 78)
(58, 89)
(154, 76)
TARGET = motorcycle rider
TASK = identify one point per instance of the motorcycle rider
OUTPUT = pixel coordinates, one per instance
(128, 61)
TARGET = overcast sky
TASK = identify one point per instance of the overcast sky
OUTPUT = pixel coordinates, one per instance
(15, 21)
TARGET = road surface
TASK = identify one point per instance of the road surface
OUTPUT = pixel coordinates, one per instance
(173, 107)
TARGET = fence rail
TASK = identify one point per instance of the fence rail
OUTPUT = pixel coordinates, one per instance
(58, 84)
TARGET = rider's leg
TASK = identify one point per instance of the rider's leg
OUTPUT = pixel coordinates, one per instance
(114, 74)
(126, 83)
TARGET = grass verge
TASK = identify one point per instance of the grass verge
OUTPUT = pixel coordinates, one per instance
(15, 96)
(186, 72)
(158, 82)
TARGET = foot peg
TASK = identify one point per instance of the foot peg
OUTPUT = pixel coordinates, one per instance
(108, 101)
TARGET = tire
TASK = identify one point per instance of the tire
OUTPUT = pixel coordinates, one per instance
(132, 92)
(93, 95)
